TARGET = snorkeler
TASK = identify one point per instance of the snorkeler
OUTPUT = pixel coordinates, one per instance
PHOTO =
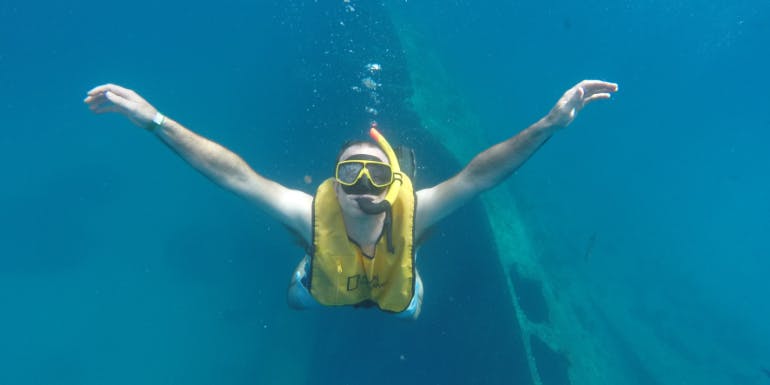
(360, 227)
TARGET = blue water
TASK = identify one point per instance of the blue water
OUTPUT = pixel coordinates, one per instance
(119, 264)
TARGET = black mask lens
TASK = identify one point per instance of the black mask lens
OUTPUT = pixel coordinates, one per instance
(362, 187)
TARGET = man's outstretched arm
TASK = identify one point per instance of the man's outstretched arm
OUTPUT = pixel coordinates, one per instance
(224, 167)
(492, 166)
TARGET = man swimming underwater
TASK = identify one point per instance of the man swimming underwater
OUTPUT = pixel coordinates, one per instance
(360, 227)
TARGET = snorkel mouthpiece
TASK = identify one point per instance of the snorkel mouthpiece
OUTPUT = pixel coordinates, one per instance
(368, 206)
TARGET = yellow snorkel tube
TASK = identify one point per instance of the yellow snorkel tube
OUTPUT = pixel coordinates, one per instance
(394, 166)
(386, 205)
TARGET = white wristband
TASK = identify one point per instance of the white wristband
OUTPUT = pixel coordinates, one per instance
(157, 121)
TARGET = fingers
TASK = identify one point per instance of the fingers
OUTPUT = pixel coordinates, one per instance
(121, 91)
(105, 109)
(577, 97)
(603, 95)
(104, 99)
(108, 94)
(94, 99)
(98, 89)
(597, 86)
(595, 90)
(97, 101)
(115, 98)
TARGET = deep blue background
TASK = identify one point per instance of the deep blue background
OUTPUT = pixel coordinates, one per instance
(659, 197)
(119, 264)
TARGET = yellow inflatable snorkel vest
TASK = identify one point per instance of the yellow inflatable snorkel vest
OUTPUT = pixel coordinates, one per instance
(340, 273)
